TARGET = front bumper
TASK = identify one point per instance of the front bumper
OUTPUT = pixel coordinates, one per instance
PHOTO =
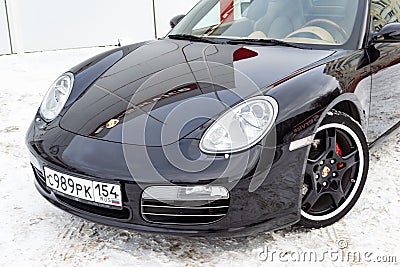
(275, 204)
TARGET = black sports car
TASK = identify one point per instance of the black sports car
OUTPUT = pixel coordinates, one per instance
(250, 115)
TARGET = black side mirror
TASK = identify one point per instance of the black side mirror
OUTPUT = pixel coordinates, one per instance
(175, 20)
(389, 33)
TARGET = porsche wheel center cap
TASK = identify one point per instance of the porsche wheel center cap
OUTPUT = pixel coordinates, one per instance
(325, 172)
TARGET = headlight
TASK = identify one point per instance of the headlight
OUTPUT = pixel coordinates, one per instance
(56, 97)
(241, 127)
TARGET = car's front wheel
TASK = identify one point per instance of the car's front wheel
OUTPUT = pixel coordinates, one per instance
(336, 171)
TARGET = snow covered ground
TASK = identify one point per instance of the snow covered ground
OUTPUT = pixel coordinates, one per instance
(34, 233)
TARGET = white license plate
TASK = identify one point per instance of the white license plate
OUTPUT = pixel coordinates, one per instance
(103, 193)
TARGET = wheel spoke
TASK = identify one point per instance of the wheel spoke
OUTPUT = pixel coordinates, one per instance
(347, 188)
(330, 140)
(310, 170)
(313, 195)
(353, 180)
(353, 173)
(310, 199)
(317, 160)
(350, 160)
(337, 196)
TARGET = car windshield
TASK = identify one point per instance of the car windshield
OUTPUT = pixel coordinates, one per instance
(307, 22)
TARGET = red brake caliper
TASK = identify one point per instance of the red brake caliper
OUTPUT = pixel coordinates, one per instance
(340, 165)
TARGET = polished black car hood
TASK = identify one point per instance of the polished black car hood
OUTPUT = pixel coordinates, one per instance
(164, 82)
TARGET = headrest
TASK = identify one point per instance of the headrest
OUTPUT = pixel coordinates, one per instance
(257, 9)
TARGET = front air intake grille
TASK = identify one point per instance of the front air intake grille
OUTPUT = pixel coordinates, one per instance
(40, 179)
(111, 213)
(183, 212)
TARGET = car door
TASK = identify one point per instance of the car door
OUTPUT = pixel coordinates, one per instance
(385, 66)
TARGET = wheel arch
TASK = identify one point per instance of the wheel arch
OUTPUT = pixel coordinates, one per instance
(349, 108)
(350, 104)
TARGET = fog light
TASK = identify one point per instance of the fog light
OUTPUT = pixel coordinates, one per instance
(186, 193)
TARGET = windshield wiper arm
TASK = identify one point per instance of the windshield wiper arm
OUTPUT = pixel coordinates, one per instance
(266, 42)
(235, 41)
(192, 38)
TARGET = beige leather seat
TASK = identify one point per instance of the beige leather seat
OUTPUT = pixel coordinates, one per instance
(245, 26)
(279, 20)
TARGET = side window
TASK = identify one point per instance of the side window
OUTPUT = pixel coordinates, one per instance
(385, 12)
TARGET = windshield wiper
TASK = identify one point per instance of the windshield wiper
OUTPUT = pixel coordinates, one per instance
(235, 41)
(192, 38)
(266, 42)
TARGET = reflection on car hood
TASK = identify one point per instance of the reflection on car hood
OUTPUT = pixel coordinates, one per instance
(156, 84)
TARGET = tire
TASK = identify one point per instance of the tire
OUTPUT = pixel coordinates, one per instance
(336, 172)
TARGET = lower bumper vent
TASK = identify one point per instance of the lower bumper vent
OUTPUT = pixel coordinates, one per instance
(123, 214)
(40, 179)
(173, 205)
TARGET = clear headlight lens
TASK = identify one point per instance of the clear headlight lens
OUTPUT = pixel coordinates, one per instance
(241, 127)
(56, 97)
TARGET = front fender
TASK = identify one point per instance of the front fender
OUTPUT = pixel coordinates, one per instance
(307, 96)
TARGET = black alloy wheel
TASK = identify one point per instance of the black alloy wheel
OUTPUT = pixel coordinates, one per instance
(336, 171)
